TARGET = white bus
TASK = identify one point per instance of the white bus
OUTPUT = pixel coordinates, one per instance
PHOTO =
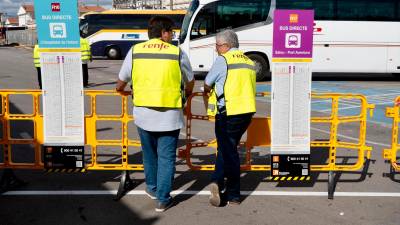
(112, 33)
(360, 36)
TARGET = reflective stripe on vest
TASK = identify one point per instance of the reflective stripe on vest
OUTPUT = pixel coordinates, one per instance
(36, 56)
(156, 75)
(239, 88)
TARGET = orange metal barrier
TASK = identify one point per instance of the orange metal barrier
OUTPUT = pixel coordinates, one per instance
(259, 135)
(7, 142)
(124, 142)
(391, 153)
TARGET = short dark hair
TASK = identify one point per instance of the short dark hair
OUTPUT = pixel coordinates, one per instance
(158, 24)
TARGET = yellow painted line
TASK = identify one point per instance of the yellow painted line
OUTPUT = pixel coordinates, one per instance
(292, 60)
(59, 50)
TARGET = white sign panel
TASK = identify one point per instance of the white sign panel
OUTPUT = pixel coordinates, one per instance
(63, 106)
(291, 104)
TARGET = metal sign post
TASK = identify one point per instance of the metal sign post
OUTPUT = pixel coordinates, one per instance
(291, 92)
(60, 60)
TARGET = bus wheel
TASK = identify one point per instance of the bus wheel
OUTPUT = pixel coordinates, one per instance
(113, 52)
(262, 67)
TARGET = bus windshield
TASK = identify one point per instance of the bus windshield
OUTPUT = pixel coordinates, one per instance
(186, 21)
(93, 23)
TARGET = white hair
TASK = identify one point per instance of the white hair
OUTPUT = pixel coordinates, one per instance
(228, 37)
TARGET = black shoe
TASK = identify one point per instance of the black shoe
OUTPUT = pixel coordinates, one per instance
(150, 194)
(215, 198)
(161, 207)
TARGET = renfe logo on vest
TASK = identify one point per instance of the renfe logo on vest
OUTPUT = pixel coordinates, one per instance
(55, 7)
(239, 56)
(156, 46)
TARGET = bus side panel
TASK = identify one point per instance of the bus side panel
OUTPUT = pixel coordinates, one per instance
(99, 48)
(348, 46)
(394, 59)
(202, 54)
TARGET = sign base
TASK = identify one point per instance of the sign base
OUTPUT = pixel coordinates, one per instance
(290, 165)
(64, 158)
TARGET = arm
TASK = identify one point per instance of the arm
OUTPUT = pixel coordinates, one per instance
(206, 95)
(120, 85)
(217, 71)
(187, 73)
(189, 88)
(125, 74)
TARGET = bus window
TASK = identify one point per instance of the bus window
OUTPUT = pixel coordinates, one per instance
(238, 13)
(204, 23)
(347, 10)
(381, 10)
(186, 21)
(83, 27)
(352, 10)
(220, 15)
(324, 10)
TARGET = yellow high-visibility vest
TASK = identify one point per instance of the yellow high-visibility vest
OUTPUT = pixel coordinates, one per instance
(156, 75)
(36, 56)
(239, 88)
(86, 54)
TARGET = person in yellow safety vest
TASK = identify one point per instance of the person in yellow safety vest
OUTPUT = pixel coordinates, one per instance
(231, 82)
(160, 72)
(36, 62)
(86, 56)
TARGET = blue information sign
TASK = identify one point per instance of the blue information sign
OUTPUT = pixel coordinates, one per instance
(57, 23)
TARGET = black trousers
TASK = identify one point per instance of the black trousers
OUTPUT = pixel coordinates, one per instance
(85, 73)
(39, 76)
(229, 130)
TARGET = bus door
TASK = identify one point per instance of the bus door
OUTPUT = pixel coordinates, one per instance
(202, 39)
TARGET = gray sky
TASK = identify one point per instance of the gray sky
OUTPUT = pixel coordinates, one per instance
(11, 6)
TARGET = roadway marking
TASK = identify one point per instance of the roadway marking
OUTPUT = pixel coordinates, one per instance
(207, 193)
(351, 138)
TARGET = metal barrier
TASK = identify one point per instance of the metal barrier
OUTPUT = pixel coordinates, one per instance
(391, 153)
(23, 37)
(90, 131)
(258, 134)
(7, 142)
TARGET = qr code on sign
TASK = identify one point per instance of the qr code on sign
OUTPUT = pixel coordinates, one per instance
(304, 172)
(79, 164)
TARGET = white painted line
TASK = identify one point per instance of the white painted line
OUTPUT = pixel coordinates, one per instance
(193, 138)
(200, 193)
(352, 138)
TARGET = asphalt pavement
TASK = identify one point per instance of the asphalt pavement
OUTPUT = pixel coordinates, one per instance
(362, 197)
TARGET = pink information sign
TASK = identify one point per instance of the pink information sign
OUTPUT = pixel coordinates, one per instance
(293, 34)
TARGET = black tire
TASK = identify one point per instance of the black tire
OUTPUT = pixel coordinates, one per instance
(113, 52)
(262, 66)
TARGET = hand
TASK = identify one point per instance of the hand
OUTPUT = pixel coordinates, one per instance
(397, 103)
(119, 91)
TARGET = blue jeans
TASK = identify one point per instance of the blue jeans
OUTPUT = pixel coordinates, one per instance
(229, 131)
(159, 155)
